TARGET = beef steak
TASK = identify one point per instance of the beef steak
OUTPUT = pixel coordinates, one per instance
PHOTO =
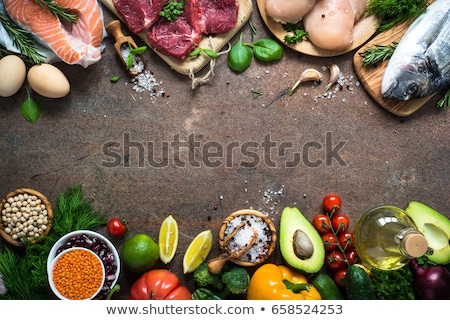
(218, 16)
(177, 38)
(139, 15)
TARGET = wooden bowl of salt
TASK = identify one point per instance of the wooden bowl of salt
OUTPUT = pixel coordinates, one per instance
(247, 237)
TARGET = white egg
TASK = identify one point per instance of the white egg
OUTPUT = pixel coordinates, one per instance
(48, 81)
(12, 75)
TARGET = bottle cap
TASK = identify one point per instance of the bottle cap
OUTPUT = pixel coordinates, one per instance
(415, 244)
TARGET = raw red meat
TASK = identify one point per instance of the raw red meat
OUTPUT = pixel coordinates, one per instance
(177, 38)
(139, 15)
(218, 16)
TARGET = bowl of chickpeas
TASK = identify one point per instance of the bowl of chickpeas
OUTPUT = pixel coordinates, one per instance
(26, 216)
(76, 274)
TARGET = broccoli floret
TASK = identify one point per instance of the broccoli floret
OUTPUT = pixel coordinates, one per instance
(232, 280)
(236, 281)
(204, 278)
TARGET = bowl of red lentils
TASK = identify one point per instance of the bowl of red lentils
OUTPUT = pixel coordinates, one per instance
(26, 215)
(76, 274)
(96, 243)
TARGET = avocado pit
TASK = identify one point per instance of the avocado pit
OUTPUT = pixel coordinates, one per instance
(303, 246)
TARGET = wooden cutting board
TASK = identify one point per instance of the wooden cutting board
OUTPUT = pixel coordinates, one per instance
(370, 77)
(193, 65)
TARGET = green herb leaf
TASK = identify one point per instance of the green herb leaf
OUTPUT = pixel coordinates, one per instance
(138, 50)
(393, 12)
(65, 14)
(444, 102)
(31, 109)
(240, 56)
(22, 39)
(114, 79)
(378, 53)
(298, 33)
(172, 9)
(267, 50)
(394, 284)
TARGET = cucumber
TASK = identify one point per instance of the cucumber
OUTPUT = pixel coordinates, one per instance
(326, 286)
(358, 284)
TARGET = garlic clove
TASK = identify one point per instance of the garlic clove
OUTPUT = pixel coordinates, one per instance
(307, 75)
(334, 76)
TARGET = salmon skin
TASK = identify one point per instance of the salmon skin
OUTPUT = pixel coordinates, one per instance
(74, 43)
(420, 65)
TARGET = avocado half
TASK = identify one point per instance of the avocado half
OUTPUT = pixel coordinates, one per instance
(436, 229)
(300, 244)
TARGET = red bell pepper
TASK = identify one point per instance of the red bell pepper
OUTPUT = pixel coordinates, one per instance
(159, 284)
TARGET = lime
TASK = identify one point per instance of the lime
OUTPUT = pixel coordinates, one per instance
(140, 253)
(168, 239)
(197, 251)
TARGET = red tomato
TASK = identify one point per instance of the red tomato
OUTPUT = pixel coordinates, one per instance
(330, 241)
(340, 222)
(346, 240)
(352, 256)
(339, 277)
(117, 227)
(335, 260)
(159, 284)
(322, 223)
(331, 203)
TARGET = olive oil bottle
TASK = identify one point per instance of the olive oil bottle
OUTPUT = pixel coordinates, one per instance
(386, 238)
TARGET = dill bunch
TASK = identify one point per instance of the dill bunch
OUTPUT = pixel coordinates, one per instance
(24, 270)
(392, 12)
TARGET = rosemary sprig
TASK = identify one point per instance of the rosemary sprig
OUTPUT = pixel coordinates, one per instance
(58, 11)
(378, 53)
(22, 39)
(444, 102)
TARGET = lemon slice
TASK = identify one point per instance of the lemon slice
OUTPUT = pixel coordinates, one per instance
(168, 239)
(197, 251)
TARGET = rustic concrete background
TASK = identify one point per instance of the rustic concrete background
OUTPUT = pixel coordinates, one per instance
(379, 159)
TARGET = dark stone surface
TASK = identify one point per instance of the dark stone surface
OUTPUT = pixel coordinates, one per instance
(378, 159)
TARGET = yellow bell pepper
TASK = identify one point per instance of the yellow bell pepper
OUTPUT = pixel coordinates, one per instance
(272, 282)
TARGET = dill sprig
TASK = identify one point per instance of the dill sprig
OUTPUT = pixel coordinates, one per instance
(58, 11)
(393, 12)
(22, 39)
(377, 53)
(24, 271)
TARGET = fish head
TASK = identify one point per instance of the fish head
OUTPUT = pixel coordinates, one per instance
(407, 80)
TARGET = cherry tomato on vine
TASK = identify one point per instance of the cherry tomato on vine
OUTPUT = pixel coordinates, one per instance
(339, 277)
(117, 227)
(334, 260)
(346, 240)
(331, 203)
(340, 222)
(330, 241)
(322, 223)
(352, 256)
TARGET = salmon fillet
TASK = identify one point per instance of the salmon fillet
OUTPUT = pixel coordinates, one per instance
(77, 43)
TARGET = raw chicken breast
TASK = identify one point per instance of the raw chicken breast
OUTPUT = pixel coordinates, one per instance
(330, 24)
(288, 11)
(359, 8)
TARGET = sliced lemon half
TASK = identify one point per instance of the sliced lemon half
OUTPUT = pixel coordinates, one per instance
(168, 239)
(197, 251)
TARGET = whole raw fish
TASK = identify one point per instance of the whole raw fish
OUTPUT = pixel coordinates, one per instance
(420, 64)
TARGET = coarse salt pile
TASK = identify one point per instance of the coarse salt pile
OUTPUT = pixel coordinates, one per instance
(144, 80)
(260, 248)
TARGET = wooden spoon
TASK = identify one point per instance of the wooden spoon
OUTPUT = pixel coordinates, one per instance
(215, 265)
(114, 28)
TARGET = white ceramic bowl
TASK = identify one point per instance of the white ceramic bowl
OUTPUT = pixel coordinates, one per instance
(111, 276)
(58, 257)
